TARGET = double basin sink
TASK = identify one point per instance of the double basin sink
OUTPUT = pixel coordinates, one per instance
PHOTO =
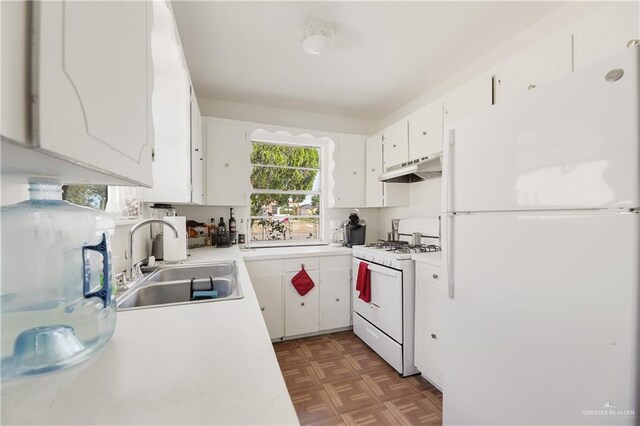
(183, 284)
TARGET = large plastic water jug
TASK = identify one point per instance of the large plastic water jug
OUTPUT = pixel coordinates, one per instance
(56, 302)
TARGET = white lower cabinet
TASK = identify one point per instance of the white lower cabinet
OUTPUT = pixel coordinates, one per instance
(269, 292)
(301, 313)
(430, 300)
(335, 292)
(326, 307)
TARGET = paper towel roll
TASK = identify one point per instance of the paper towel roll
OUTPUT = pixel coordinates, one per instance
(175, 249)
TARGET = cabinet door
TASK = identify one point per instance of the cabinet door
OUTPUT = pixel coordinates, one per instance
(197, 153)
(395, 142)
(302, 313)
(171, 121)
(226, 168)
(533, 67)
(430, 301)
(349, 188)
(269, 292)
(609, 31)
(373, 187)
(92, 85)
(335, 303)
(470, 98)
(421, 326)
(425, 131)
(433, 305)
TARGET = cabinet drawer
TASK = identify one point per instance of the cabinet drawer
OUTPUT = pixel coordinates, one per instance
(294, 265)
(262, 268)
(431, 274)
(335, 262)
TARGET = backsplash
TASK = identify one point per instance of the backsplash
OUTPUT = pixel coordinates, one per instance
(205, 213)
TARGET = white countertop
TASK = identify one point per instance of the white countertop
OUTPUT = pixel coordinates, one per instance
(300, 251)
(433, 258)
(207, 363)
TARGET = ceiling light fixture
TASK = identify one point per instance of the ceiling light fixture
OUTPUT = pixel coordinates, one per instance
(317, 35)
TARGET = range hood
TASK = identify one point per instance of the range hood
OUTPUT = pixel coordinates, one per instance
(414, 171)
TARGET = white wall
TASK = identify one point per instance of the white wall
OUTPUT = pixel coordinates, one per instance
(283, 117)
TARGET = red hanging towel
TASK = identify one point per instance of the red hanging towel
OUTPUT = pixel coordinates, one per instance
(363, 283)
(302, 282)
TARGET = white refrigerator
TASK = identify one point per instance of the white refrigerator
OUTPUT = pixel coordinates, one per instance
(541, 247)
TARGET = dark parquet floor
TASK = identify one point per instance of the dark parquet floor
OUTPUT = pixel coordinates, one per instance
(336, 379)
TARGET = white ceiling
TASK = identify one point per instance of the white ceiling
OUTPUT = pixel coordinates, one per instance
(384, 53)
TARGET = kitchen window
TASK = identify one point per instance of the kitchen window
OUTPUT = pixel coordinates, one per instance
(286, 194)
(123, 202)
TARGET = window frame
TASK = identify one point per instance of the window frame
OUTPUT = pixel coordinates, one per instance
(319, 240)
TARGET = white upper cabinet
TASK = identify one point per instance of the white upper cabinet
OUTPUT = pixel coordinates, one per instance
(425, 131)
(379, 194)
(542, 62)
(227, 165)
(612, 29)
(197, 154)
(349, 173)
(470, 98)
(176, 118)
(373, 187)
(92, 85)
(395, 140)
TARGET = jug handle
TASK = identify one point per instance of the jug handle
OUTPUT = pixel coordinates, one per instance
(103, 293)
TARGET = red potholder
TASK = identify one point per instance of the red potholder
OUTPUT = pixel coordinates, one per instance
(302, 282)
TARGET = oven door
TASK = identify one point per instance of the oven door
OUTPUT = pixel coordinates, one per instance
(385, 309)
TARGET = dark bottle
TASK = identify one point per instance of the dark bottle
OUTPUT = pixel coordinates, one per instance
(232, 221)
(222, 228)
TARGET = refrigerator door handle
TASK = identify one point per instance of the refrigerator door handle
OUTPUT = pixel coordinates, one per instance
(449, 174)
(447, 244)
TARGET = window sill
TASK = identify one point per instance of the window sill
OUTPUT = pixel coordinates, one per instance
(270, 244)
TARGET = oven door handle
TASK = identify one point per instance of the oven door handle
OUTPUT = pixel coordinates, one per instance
(384, 271)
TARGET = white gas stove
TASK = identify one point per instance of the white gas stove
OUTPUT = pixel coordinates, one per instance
(386, 322)
(391, 253)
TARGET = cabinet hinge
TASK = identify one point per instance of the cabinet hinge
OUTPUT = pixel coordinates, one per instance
(382, 138)
(153, 154)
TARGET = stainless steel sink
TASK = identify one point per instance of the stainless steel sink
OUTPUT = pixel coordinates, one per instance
(186, 272)
(175, 285)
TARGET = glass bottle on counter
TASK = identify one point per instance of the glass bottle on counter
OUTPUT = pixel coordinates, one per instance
(232, 226)
(222, 228)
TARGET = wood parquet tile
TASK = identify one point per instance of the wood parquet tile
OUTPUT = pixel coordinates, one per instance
(336, 379)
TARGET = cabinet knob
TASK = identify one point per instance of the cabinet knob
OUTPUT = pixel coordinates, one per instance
(373, 170)
(433, 336)
(197, 150)
(226, 164)
(424, 133)
(337, 299)
(262, 308)
(355, 173)
(302, 304)
(435, 276)
(201, 159)
(633, 42)
(531, 87)
(394, 145)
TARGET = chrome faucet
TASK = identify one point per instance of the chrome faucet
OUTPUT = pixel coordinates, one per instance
(134, 228)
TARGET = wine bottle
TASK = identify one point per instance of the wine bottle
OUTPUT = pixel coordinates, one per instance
(222, 228)
(232, 221)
